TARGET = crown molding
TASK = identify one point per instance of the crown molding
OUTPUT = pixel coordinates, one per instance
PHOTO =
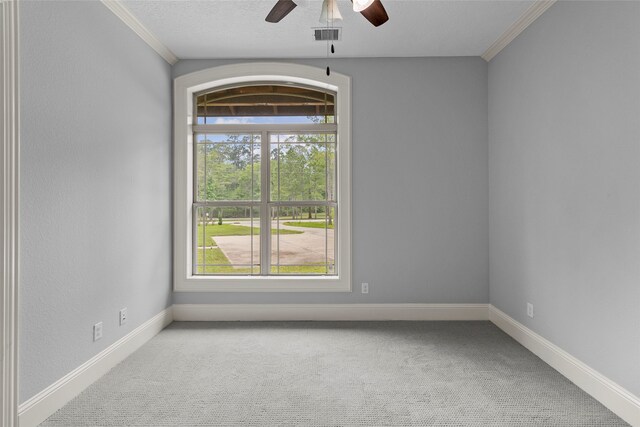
(527, 18)
(132, 22)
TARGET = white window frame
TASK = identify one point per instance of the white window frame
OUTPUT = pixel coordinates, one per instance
(284, 73)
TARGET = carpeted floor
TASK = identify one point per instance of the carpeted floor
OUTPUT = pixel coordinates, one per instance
(333, 374)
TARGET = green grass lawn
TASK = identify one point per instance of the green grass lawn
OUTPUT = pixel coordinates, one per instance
(216, 256)
(308, 224)
(223, 266)
(213, 230)
(299, 269)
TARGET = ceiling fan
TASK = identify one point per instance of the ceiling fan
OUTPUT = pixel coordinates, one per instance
(372, 10)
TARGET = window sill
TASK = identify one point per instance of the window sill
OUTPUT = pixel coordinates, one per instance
(263, 284)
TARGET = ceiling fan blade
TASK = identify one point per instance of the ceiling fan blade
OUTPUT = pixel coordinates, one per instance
(376, 13)
(280, 10)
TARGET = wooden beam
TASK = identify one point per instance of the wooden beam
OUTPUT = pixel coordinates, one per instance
(264, 110)
(264, 104)
(218, 96)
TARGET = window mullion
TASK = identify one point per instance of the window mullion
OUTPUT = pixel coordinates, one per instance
(327, 209)
(206, 197)
(265, 215)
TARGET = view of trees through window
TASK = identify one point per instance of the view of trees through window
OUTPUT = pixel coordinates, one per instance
(253, 179)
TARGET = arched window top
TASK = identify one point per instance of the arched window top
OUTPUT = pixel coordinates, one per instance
(272, 105)
(257, 102)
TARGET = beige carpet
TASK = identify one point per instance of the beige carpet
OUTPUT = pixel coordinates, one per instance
(333, 374)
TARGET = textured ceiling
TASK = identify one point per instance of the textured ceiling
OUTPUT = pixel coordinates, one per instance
(237, 29)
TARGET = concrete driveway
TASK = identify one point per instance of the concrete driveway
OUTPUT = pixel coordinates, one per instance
(307, 248)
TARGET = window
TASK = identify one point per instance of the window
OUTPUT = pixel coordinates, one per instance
(262, 180)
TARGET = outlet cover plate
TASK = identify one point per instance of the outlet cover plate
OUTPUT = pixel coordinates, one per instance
(97, 331)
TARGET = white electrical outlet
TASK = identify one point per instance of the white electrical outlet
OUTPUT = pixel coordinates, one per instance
(97, 331)
(530, 309)
(365, 288)
(123, 316)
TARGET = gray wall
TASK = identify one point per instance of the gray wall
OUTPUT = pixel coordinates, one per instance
(95, 185)
(420, 195)
(564, 149)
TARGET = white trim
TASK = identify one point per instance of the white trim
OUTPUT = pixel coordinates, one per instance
(527, 18)
(613, 396)
(319, 312)
(184, 88)
(620, 401)
(121, 11)
(44, 404)
(10, 211)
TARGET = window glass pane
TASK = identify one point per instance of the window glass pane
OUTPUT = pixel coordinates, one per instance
(228, 240)
(265, 103)
(300, 168)
(300, 165)
(228, 167)
(331, 171)
(200, 153)
(312, 251)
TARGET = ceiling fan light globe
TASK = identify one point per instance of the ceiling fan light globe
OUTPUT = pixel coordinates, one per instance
(360, 5)
(330, 12)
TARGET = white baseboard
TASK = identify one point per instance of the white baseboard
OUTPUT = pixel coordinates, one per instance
(44, 404)
(613, 396)
(271, 312)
